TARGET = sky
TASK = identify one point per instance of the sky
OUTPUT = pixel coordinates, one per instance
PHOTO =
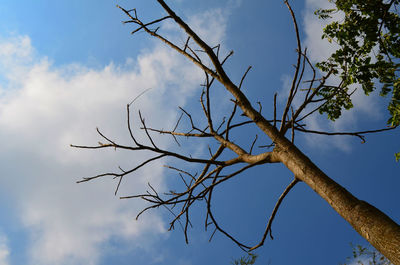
(69, 67)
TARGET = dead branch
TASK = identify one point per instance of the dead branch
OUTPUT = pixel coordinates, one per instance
(359, 134)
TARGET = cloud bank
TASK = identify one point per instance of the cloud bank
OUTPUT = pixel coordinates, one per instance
(44, 109)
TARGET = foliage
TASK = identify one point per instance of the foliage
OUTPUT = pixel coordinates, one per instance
(361, 255)
(368, 38)
(397, 155)
(250, 259)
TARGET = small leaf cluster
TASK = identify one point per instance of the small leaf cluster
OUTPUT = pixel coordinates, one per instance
(366, 256)
(250, 259)
(368, 38)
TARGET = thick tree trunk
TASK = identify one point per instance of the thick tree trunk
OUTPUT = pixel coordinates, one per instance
(372, 224)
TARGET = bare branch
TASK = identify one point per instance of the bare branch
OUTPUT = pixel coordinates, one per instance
(172, 45)
(357, 134)
(120, 175)
(147, 24)
(217, 226)
(147, 132)
(243, 77)
(274, 211)
(293, 88)
(252, 145)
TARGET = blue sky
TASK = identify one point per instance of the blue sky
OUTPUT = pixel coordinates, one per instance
(67, 67)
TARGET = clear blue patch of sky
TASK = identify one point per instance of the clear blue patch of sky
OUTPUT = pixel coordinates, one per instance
(88, 32)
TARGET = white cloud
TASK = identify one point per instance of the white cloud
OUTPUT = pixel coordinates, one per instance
(319, 49)
(44, 108)
(212, 20)
(51, 108)
(4, 250)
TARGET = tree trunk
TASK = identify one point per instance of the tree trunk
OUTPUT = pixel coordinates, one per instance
(372, 224)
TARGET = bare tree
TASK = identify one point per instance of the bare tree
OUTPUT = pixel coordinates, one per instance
(222, 165)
